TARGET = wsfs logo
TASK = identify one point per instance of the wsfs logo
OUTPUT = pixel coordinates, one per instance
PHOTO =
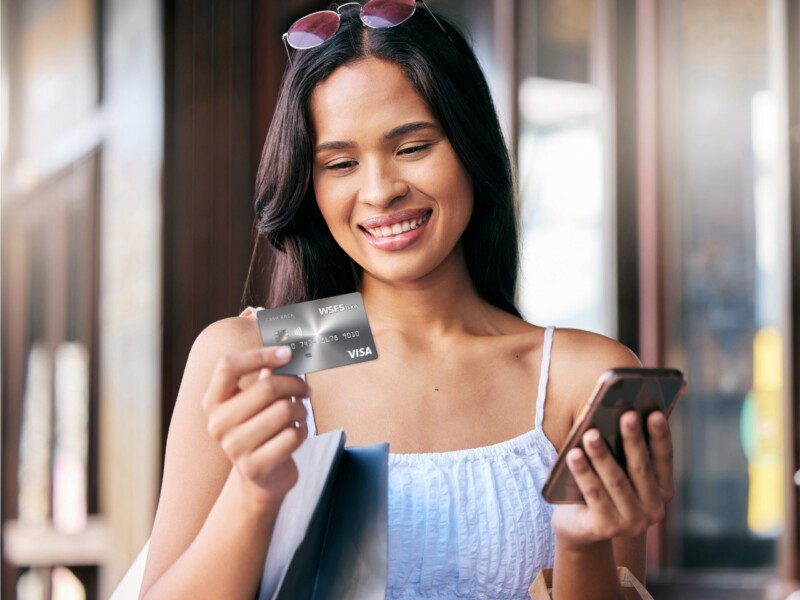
(360, 352)
(335, 308)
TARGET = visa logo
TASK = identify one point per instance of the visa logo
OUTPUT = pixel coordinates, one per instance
(359, 352)
(333, 308)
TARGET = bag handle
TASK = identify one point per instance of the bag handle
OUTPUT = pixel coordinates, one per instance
(539, 589)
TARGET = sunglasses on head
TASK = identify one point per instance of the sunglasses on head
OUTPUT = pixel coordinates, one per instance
(317, 28)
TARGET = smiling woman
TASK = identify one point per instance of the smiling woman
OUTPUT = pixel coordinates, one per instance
(385, 172)
(445, 88)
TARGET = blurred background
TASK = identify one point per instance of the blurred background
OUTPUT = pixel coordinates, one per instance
(658, 154)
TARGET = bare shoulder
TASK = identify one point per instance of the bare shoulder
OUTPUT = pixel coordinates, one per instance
(222, 337)
(590, 351)
(578, 359)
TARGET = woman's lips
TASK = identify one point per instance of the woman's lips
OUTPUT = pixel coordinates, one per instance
(409, 214)
(385, 239)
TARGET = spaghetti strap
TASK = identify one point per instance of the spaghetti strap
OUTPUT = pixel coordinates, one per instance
(311, 424)
(543, 376)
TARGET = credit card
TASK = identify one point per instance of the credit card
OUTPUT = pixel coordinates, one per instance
(323, 334)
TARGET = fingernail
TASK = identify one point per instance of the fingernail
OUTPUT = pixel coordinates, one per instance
(632, 424)
(660, 422)
(283, 352)
(262, 374)
(575, 455)
(594, 439)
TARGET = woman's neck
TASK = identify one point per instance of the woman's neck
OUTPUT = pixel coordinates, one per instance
(441, 303)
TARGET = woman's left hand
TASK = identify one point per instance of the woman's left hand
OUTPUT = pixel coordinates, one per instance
(618, 504)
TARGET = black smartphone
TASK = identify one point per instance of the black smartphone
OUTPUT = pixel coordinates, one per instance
(617, 391)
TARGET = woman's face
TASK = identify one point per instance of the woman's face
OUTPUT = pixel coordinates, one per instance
(387, 181)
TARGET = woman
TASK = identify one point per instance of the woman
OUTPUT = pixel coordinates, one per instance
(385, 171)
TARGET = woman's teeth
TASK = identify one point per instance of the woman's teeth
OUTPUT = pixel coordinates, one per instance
(398, 228)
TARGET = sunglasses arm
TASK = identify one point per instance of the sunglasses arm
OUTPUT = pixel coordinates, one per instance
(284, 37)
(430, 12)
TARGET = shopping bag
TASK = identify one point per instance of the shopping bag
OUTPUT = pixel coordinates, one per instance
(330, 537)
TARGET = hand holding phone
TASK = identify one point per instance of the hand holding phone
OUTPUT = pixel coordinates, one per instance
(617, 391)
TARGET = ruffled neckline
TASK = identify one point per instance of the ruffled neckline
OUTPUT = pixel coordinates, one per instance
(523, 441)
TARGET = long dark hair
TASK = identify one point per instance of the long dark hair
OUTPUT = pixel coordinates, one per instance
(443, 70)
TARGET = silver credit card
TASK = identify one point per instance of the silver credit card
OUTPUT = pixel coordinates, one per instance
(323, 334)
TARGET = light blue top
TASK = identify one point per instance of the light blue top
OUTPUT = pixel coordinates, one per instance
(471, 523)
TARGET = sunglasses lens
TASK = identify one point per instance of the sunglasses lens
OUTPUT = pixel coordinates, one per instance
(313, 29)
(380, 14)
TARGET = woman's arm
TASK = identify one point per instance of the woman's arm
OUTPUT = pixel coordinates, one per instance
(592, 539)
(227, 469)
(631, 552)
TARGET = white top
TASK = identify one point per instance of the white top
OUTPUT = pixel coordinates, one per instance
(471, 523)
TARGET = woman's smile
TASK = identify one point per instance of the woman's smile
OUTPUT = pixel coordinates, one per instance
(396, 231)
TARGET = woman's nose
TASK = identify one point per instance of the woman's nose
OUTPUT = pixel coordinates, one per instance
(381, 184)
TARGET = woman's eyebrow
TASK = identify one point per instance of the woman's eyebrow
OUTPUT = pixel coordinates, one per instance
(401, 130)
(395, 132)
(336, 145)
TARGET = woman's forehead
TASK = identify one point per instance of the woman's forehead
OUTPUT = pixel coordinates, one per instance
(367, 95)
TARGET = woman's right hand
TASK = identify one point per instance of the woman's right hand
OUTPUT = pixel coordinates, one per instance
(258, 426)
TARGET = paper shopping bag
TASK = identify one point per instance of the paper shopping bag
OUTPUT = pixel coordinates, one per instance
(330, 538)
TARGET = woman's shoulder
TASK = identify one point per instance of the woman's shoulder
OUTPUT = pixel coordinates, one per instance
(578, 359)
(576, 351)
(218, 340)
(228, 335)
(592, 350)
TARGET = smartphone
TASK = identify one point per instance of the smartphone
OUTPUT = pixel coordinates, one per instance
(617, 391)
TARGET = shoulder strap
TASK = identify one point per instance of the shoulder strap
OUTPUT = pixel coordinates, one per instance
(544, 373)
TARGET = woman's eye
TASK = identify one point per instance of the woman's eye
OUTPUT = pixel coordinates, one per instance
(340, 166)
(414, 149)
